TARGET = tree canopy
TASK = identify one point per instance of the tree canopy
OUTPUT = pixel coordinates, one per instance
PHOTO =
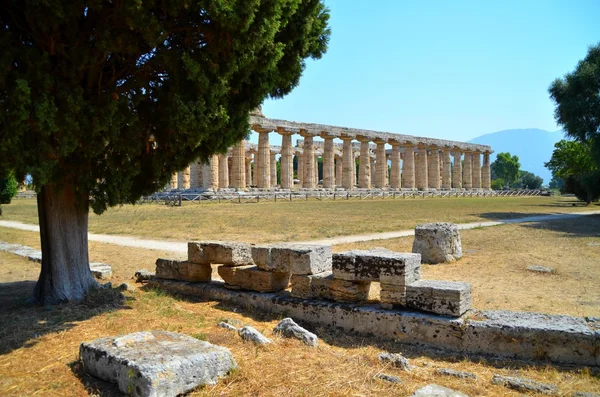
(528, 180)
(506, 167)
(100, 102)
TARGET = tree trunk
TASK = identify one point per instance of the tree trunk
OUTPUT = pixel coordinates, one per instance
(63, 219)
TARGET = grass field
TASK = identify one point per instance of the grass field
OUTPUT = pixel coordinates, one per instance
(268, 221)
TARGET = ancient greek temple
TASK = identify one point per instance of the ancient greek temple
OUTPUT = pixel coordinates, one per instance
(351, 159)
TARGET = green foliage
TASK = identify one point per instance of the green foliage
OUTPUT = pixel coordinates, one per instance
(8, 188)
(572, 162)
(557, 183)
(498, 184)
(506, 167)
(528, 180)
(113, 97)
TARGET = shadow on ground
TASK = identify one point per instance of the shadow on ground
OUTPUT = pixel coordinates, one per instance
(29, 322)
(578, 226)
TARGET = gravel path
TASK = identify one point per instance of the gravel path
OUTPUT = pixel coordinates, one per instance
(181, 247)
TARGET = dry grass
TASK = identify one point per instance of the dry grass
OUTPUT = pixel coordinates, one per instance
(496, 258)
(269, 221)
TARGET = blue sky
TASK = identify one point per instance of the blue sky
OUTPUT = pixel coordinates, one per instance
(444, 69)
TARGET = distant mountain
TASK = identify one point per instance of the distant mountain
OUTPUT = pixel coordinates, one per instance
(533, 146)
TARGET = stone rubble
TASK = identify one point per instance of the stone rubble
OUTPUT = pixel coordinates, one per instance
(250, 334)
(456, 374)
(437, 242)
(156, 363)
(289, 329)
(396, 360)
(227, 326)
(540, 269)
(389, 378)
(433, 390)
(524, 385)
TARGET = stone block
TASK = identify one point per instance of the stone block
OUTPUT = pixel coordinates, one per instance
(101, 271)
(437, 242)
(376, 265)
(220, 252)
(392, 294)
(289, 329)
(156, 363)
(261, 255)
(440, 297)
(183, 270)
(301, 258)
(325, 286)
(253, 279)
(524, 385)
(433, 390)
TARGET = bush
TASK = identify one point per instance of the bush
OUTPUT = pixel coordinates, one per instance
(8, 189)
(498, 184)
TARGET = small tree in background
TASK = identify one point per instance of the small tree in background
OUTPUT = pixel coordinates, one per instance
(8, 188)
(528, 180)
(506, 167)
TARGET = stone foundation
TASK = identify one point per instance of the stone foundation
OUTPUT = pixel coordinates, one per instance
(252, 278)
(182, 270)
(442, 297)
(324, 286)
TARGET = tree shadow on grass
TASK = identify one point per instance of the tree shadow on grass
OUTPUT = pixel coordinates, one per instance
(582, 226)
(24, 323)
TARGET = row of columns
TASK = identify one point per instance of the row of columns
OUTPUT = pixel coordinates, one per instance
(411, 167)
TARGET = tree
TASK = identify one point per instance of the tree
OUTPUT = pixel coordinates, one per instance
(498, 184)
(8, 189)
(100, 102)
(506, 167)
(528, 180)
(557, 183)
(572, 162)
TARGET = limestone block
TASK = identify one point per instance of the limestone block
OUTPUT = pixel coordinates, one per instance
(101, 271)
(220, 252)
(377, 265)
(251, 334)
(456, 374)
(143, 275)
(289, 329)
(392, 294)
(388, 378)
(433, 390)
(440, 297)
(182, 270)
(156, 363)
(254, 279)
(524, 385)
(325, 286)
(437, 242)
(396, 360)
(261, 255)
(301, 258)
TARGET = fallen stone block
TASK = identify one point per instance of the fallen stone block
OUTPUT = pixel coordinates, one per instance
(433, 390)
(396, 360)
(324, 286)
(225, 325)
(388, 378)
(156, 363)
(524, 384)
(250, 334)
(437, 242)
(376, 265)
(584, 394)
(253, 279)
(220, 252)
(289, 329)
(440, 297)
(101, 271)
(540, 269)
(183, 270)
(391, 294)
(456, 374)
(143, 275)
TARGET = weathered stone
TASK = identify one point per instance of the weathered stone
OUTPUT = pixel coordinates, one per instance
(156, 363)
(456, 374)
(101, 271)
(524, 384)
(540, 269)
(433, 390)
(220, 252)
(584, 394)
(388, 378)
(225, 325)
(391, 294)
(261, 255)
(233, 321)
(182, 270)
(397, 360)
(250, 334)
(440, 297)
(324, 286)
(301, 258)
(143, 275)
(437, 242)
(254, 279)
(376, 265)
(288, 328)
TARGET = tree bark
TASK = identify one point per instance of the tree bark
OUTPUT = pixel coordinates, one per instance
(63, 218)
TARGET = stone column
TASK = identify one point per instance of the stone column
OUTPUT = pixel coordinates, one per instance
(174, 180)
(316, 176)
(467, 174)
(364, 166)
(248, 170)
(373, 170)
(214, 172)
(185, 178)
(223, 172)
(476, 169)
(262, 163)
(421, 169)
(273, 164)
(457, 177)
(287, 162)
(408, 167)
(381, 171)
(328, 164)
(348, 164)
(446, 169)
(338, 170)
(486, 172)
(395, 177)
(434, 169)
(194, 175)
(238, 165)
(254, 170)
(300, 162)
(309, 162)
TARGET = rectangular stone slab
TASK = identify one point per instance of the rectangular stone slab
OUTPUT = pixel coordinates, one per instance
(182, 270)
(377, 265)
(156, 363)
(261, 255)
(393, 294)
(300, 258)
(440, 297)
(220, 252)
(253, 279)
(324, 286)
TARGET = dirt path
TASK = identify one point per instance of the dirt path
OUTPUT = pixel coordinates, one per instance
(181, 247)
